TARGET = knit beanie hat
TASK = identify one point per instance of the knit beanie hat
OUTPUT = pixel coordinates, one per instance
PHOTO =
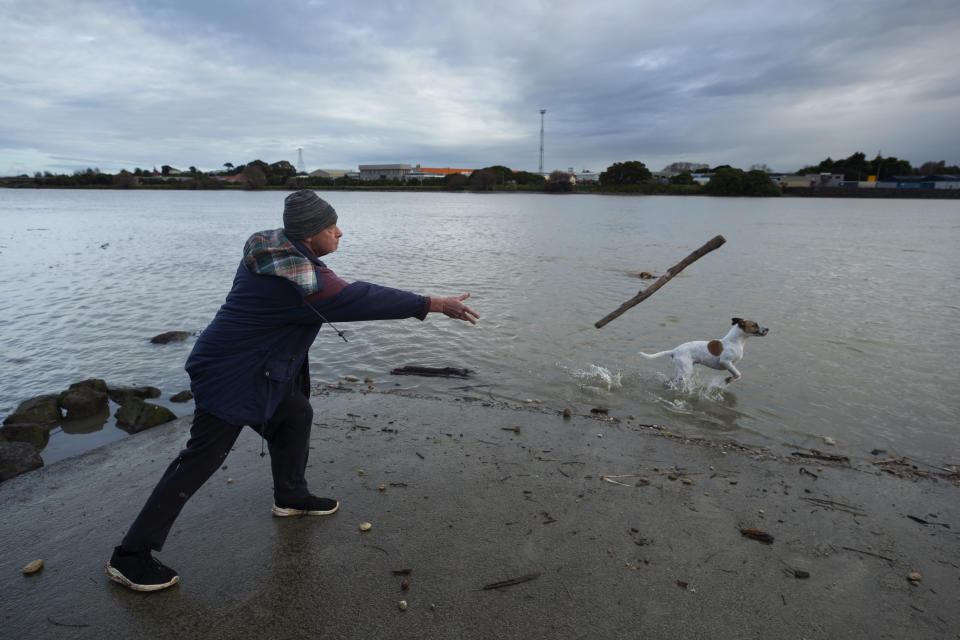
(306, 214)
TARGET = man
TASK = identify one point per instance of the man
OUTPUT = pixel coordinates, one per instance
(249, 367)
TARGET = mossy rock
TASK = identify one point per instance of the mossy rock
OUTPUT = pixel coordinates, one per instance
(170, 336)
(121, 394)
(135, 415)
(35, 434)
(83, 401)
(43, 409)
(183, 396)
(17, 458)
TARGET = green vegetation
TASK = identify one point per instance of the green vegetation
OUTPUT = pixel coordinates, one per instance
(630, 177)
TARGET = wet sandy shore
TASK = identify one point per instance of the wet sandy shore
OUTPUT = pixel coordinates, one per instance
(618, 530)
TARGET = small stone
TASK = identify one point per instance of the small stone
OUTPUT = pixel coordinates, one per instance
(365, 526)
(403, 605)
(687, 481)
(33, 567)
(351, 378)
(368, 380)
(404, 584)
(913, 577)
(229, 480)
(567, 413)
(528, 400)
(828, 440)
(382, 487)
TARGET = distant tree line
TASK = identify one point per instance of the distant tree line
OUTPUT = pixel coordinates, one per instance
(630, 176)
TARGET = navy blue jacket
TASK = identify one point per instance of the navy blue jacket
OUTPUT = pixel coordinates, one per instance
(246, 359)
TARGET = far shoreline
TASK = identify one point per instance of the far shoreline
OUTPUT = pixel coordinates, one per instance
(653, 190)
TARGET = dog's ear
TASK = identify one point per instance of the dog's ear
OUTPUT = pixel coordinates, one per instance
(738, 321)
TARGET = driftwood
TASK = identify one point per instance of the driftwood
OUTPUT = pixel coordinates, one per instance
(512, 581)
(443, 372)
(671, 272)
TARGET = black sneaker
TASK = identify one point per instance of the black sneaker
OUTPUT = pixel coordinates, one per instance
(309, 506)
(140, 571)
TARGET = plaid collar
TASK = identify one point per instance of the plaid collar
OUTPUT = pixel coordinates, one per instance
(271, 253)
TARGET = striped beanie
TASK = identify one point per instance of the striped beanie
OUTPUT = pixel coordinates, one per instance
(306, 214)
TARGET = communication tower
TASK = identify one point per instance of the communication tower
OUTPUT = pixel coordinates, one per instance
(301, 168)
(542, 111)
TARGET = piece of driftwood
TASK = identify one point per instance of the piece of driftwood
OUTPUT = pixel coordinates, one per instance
(817, 455)
(443, 372)
(671, 272)
(757, 534)
(512, 581)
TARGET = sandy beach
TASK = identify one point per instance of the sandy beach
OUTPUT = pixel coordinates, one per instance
(601, 528)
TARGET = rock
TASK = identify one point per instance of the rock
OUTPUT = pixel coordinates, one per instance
(403, 605)
(92, 383)
(17, 458)
(170, 336)
(33, 567)
(136, 415)
(35, 434)
(43, 409)
(183, 396)
(365, 526)
(120, 394)
(351, 378)
(82, 400)
(914, 578)
(567, 413)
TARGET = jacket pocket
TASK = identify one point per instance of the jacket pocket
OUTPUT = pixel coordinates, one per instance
(279, 368)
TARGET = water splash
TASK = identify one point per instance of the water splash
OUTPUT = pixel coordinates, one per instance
(598, 379)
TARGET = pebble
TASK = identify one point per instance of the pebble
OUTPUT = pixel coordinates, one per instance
(33, 567)
(828, 440)
(351, 378)
(403, 605)
(913, 577)
(229, 480)
(382, 487)
(365, 526)
(567, 413)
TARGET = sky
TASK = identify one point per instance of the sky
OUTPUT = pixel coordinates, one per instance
(113, 84)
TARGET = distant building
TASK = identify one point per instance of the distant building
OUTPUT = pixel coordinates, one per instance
(331, 174)
(811, 180)
(585, 175)
(384, 171)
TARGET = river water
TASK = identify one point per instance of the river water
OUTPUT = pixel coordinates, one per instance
(860, 296)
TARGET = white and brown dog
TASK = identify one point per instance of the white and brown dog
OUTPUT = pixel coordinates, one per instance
(716, 354)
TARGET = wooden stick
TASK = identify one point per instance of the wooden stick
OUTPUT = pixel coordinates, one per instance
(674, 270)
(512, 581)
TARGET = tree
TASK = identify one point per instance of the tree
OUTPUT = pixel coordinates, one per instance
(726, 181)
(631, 172)
(757, 183)
(124, 180)
(455, 181)
(281, 171)
(254, 177)
(525, 177)
(683, 178)
(559, 182)
(482, 180)
(680, 167)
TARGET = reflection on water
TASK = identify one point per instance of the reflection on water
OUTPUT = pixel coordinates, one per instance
(860, 297)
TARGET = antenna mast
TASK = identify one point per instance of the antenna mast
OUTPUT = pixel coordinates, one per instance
(542, 111)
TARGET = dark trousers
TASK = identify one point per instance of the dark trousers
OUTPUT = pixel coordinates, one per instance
(288, 437)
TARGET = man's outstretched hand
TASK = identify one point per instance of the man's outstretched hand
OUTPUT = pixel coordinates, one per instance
(453, 307)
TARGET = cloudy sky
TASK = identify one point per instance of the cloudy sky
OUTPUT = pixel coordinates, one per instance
(122, 84)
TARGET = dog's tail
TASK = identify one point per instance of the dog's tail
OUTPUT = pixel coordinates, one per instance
(657, 355)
